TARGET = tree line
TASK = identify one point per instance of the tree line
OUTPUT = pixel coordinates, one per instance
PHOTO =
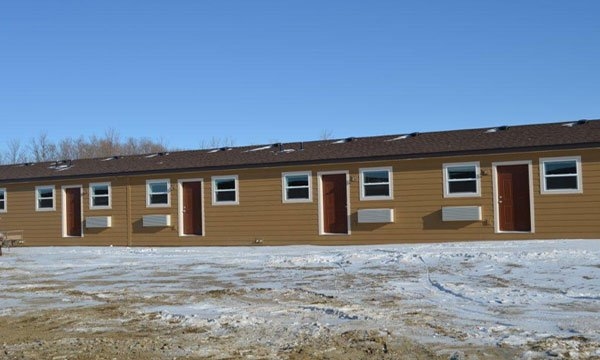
(41, 148)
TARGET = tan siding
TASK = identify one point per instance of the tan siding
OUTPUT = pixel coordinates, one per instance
(571, 215)
(417, 201)
(45, 228)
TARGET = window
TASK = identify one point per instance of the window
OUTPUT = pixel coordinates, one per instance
(158, 193)
(561, 175)
(100, 196)
(225, 190)
(461, 180)
(44, 198)
(376, 183)
(297, 187)
(2, 200)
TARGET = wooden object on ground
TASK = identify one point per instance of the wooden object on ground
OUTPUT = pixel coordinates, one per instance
(10, 239)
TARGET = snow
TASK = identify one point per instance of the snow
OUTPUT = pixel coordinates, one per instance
(485, 293)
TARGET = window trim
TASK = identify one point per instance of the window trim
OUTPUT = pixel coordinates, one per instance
(4, 209)
(149, 193)
(214, 190)
(579, 175)
(92, 196)
(390, 183)
(284, 187)
(37, 198)
(446, 179)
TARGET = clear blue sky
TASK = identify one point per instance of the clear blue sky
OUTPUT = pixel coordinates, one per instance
(259, 71)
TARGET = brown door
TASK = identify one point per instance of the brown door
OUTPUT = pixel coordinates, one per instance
(513, 198)
(73, 211)
(192, 208)
(335, 206)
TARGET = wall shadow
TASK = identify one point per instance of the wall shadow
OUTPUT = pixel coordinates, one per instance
(94, 231)
(138, 228)
(434, 221)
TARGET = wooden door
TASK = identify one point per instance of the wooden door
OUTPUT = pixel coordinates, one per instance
(192, 208)
(335, 204)
(513, 198)
(73, 211)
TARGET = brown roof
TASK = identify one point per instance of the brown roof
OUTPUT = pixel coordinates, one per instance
(575, 134)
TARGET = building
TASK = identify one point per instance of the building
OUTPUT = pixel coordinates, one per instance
(521, 182)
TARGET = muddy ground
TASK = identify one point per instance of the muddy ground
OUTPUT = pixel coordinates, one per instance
(420, 302)
(113, 331)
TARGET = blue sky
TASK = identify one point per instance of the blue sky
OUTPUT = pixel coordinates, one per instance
(263, 71)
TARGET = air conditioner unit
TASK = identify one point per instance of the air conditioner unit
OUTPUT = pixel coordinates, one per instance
(92, 222)
(461, 213)
(156, 220)
(376, 215)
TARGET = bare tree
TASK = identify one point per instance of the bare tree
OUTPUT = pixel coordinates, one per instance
(42, 149)
(15, 152)
(68, 149)
(326, 134)
(216, 142)
(109, 145)
(146, 145)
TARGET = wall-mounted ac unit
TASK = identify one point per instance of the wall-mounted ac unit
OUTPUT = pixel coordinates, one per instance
(156, 220)
(92, 222)
(461, 213)
(376, 215)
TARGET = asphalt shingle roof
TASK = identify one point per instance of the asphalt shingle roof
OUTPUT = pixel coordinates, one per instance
(442, 143)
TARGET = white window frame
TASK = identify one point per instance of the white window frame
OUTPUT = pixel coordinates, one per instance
(3, 201)
(284, 186)
(149, 193)
(93, 195)
(214, 180)
(543, 176)
(446, 179)
(389, 183)
(37, 198)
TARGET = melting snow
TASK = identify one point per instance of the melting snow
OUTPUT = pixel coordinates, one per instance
(477, 292)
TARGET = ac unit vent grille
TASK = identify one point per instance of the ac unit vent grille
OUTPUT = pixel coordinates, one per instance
(376, 215)
(156, 220)
(461, 213)
(94, 222)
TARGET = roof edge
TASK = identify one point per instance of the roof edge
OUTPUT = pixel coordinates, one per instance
(315, 162)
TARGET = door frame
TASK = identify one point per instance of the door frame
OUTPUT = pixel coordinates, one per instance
(63, 194)
(320, 200)
(495, 196)
(180, 205)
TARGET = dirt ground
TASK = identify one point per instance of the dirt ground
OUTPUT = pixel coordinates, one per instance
(114, 332)
(297, 304)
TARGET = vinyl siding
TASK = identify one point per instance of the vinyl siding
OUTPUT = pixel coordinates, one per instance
(262, 215)
(45, 227)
